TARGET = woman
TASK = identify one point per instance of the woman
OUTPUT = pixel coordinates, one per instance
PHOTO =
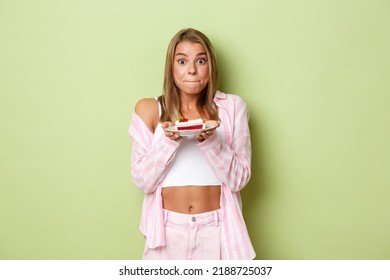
(192, 204)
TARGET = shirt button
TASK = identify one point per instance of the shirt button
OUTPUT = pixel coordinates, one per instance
(193, 219)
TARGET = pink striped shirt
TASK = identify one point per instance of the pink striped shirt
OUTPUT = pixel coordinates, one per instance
(231, 161)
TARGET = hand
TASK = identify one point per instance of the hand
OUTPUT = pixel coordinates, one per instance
(208, 133)
(171, 135)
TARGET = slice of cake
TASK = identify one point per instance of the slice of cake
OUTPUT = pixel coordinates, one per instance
(185, 124)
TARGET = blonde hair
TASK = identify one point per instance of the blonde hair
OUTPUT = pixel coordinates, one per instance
(170, 96)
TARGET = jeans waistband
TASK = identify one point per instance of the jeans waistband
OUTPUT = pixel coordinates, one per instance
(193, 219)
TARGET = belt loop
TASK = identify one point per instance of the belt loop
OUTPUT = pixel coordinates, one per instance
(216, 218)
(165, 216)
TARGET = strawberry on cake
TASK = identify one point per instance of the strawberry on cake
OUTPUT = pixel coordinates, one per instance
(185, 124)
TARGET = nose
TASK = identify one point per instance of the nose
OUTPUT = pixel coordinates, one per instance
(191, 68)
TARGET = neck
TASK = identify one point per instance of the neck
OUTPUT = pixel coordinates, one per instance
(190, 111)
(188, 103)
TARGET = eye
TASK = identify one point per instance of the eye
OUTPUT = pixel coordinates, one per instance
(202, 61)
(181, 61)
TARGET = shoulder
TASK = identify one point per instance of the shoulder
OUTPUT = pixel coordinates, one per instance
(229, 100)
(147, 110)
(145, 105)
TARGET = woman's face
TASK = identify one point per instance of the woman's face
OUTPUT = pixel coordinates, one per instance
(190, 67)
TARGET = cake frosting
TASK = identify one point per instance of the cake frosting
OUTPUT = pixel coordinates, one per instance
(184, 124)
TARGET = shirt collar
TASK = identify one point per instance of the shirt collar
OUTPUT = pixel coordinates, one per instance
(219, 96)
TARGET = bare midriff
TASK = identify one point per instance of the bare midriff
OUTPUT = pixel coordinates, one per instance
(191, 199)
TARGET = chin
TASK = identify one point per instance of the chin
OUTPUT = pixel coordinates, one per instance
(193, 91)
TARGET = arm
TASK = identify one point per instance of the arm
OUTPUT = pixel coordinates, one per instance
(231, 162)
(150, 161)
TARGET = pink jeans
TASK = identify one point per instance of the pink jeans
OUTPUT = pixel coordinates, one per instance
(190, 237)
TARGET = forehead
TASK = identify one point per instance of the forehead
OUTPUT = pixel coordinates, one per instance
(189, 48)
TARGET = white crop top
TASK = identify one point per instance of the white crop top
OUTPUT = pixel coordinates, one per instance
(190, 167)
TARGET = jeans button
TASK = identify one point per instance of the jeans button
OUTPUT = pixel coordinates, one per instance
(193, 219)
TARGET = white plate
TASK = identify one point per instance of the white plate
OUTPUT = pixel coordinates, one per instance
(192, 132)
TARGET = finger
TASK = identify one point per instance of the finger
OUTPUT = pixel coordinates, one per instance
(200, 138)
(166, 124)
(176, 137)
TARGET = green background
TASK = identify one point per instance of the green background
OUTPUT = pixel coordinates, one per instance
(314, 74)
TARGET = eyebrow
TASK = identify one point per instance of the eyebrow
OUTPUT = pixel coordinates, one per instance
(199, 54)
